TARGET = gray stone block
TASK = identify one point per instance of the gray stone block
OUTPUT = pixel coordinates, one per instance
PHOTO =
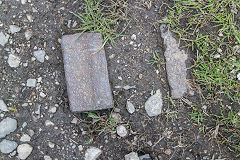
(86, 72)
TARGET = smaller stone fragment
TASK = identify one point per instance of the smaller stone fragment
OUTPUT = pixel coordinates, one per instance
(14, 29)
(13, 60)
(25, 138)
(130, 107)
(28, 34)
(238, 76)
(3, 106)
(49, 123)
(7, 146)
(153, 106)
(31, 82)
(145, 157)
(122, 131)
(7, 126)
(47, 158)
(24, 150)
(40, 55)
(3, 39)
(132, 156)
(92, 153)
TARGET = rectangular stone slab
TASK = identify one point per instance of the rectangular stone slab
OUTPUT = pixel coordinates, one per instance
(86, 72)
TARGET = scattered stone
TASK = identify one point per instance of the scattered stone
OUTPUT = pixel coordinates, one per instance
(31, 132)
(3, 39)
(14, 29)
(131, 156)
(29, 17)
(47, 158)
(23, 1)
(43, 95)
(134, 37)
(25, 138)
(219, 50)
(52, 109)
(217, 56)
(3, 106)
(24, 150)
(49, 123)
(51, 144)
(175, 64)
(28, 34)
(130, 107)
(13, 60)
(7, 146)
(168, 152)
(145, 157)
(31, 82)
(24, 124)
(153, 105)
(117, 117)
(122, 131)
(74, 121)
(238, 76)
(80, 148)
(40, 55)
(204, 107)
(92, 153)
(149, 143)
(7, 126)
(127, 87)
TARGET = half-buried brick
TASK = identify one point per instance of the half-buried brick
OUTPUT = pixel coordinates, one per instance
(86, 72)
(175, 64)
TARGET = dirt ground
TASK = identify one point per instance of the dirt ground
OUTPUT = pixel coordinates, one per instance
(172, 135)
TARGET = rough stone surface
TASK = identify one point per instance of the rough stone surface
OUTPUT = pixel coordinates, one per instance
(28, 34)
(14, 29)
(153, 105)
(122, 131)
(3, 106)
(92, 153)
(31, 82)
(130, 107)
(7, 126)
(132, 156)
(86, 72)
(24, 150)
(175, 64)
(40, 55)
(7, 146)
(145, 157)
(13, 60)
(3, 39)
(25, 138)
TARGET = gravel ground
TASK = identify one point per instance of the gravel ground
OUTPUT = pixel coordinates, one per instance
(36, 122)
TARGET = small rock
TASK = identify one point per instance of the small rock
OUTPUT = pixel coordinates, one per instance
(238, 76)
(23, 1)
(127, 87)
(74, 121)
(80, 147)
(28, 34)
(117, 117)
(153, 106)
(7, 146)
(145, 157)
(40, 55)
(52, 109)
(133, 37)
(149, 143)
(29, 17)
(43, 95)
(14, 29)
(49, 123)
(168, 152)
(7, 126)
(51, 145)
(130, 107)
(13, 60)
(3, 106)
(204, 107)
(31, 132)
(131, 156)
(24, 150)
(92, 153)
(24, 124)
(122, 131)
(47, 158)
(25, 138)
(217, 56)
(3, 39)
(31, 82)
(219, 50)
